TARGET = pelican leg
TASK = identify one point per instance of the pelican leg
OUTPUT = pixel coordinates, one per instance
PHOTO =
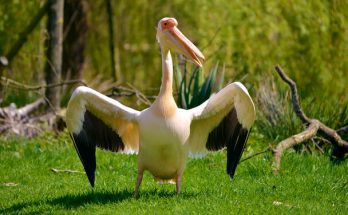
(178, 184)
(138, 182)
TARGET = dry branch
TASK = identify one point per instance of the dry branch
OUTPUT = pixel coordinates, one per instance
(255, 154)
(18, 121)
(342, 131)
(294, 95)
(22, 121)
(65, 171)
(10, 184)
(291, 141)
(12, 111)
(313, 127)
(130, 91)
(17, 85)
(334, 137)
(118, 91)
(29, 108)
(317, 145)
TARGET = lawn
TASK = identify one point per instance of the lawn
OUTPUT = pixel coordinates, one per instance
(306, 184)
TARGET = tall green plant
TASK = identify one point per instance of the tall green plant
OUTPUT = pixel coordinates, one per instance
(193, 89)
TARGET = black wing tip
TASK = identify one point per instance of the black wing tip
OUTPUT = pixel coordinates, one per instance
(231, 176)
(234, 154)
(86, 153)
(94, 133)
(231, 133)
(91, 179)
(231, 171)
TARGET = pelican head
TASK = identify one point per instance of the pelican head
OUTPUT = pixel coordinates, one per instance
(170, 38)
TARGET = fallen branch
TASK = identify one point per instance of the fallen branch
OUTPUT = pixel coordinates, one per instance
(29, 108)
(342, 131)
(17, 85)
(290, 142)
(294, 95)
(17, 120)
(120, 91)
(255, 154)
(26, 121)
(14, 113)
(65, 171)
(10, 184)
(317, 145)
(313, 127)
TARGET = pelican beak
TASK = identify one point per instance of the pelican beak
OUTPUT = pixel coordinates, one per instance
(182, 45)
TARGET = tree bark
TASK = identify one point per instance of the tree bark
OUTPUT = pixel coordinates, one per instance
(74, 43)
(54, 51)
(74, 39)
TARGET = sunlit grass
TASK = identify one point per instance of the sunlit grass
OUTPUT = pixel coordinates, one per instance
(309, 183)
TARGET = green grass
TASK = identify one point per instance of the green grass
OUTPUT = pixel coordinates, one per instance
(306, 184)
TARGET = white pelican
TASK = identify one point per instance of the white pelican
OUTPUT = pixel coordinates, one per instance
(163, 135)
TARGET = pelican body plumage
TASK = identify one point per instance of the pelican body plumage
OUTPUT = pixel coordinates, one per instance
(162, 135)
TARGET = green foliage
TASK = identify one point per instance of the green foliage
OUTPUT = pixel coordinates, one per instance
(15, 15)
(308, 38)
(18, 97)
(193, 88)
(306, 184)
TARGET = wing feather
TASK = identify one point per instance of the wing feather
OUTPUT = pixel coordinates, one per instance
(95, 120)
(223, 121)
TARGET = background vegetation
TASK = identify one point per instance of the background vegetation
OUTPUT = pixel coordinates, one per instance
(308, 38)
(245, 39)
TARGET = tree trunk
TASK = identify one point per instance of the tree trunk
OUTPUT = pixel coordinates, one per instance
(74, 42)
(54, 51)
(75, 34)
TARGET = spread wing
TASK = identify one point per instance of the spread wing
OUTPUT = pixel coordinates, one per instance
(224, 120)
(94, 119)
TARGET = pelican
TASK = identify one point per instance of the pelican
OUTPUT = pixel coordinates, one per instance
(162, 135)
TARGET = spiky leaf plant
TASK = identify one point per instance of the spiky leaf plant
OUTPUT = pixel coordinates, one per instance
(193, 89)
